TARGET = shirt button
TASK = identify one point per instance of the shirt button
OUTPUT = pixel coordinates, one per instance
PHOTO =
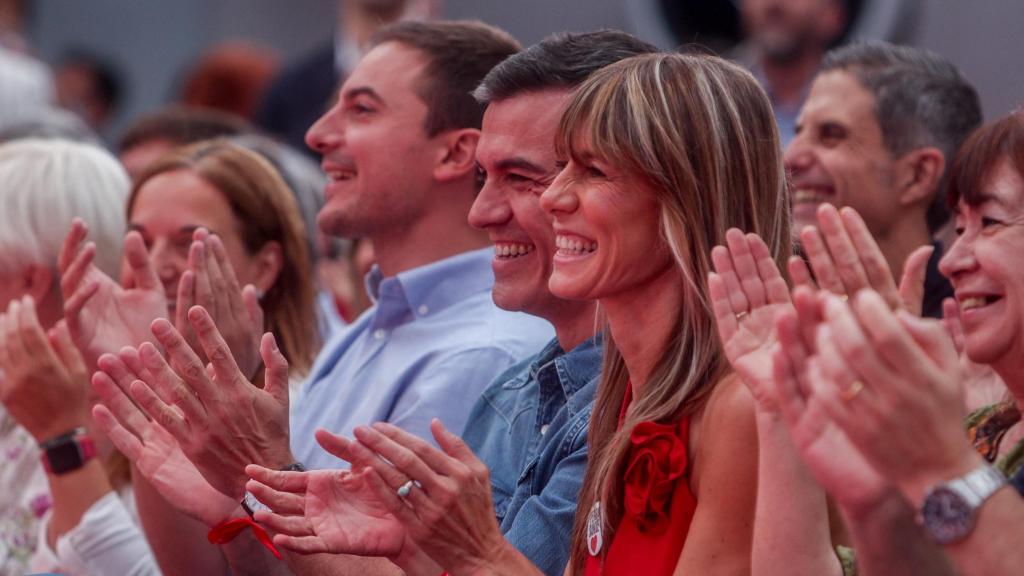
(378, 333)
(543, 429)
(424, 310)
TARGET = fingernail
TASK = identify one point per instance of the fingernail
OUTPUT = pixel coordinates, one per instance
(160, 327)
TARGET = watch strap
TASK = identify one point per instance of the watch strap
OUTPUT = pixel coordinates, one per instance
(978, 485)
(67, 452)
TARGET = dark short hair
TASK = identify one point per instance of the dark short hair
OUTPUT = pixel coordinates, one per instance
(180, 126)
(999, 141)
(562, 60)
(459, 54)
(921, 99)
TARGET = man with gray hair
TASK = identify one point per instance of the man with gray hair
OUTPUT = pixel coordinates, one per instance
(880, 126)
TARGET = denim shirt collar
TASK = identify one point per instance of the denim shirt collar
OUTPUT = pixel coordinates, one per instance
(429, 289)
(575, 368)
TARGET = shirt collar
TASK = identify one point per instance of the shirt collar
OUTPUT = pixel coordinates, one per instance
(575, 368)
(429, 289)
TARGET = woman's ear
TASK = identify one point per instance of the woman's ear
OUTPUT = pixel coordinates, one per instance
(459, 155)
(269, 262)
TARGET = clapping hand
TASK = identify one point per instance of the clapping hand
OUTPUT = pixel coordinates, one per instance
(151, 449)
(45, 380)
(210, 282)
(747, 294)
(845, 259)
(101, 315)
(333, 511)
(221, 421)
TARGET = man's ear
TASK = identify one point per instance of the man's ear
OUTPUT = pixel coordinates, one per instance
(458, 154)
(37, 281)
(919, 173)
(269, 262)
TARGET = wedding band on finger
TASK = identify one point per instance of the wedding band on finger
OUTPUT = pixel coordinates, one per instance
(740, 315)
(404, 489)
(850, 393)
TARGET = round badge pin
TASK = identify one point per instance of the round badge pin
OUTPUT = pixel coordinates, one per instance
(595, 538)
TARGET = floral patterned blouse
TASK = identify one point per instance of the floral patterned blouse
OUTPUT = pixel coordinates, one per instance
(26, 496)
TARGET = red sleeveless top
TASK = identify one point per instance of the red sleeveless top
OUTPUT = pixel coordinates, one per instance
(658, 504)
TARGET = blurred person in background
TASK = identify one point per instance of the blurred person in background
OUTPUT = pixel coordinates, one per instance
(211, 224)
(26, 87)
(89, 86)
(231, 77)
(150, 136)
(785, 42)
(304, 88)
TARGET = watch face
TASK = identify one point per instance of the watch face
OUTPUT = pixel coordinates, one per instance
(946, 515)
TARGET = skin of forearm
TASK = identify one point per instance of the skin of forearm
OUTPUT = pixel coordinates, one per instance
(178, 541)
(791, 530)
(73, 494)
(889, 542)
(507, 562)
(993, 547)
(339, 564)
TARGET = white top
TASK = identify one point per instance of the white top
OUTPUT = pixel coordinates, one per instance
(106, 541)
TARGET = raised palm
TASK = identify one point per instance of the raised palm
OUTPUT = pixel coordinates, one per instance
(348, 517)
(115, 317)
(747, 294)
(101, 315)
(833, 460)
(163, 463)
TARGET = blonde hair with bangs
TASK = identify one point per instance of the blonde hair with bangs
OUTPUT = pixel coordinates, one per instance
(700, 131)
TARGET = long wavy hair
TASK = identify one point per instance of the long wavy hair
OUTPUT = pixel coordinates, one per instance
(266, 211)
(700, 131)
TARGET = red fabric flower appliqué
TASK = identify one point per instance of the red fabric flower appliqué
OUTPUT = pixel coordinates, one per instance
(656, 461)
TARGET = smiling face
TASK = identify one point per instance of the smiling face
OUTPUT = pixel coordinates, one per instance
(376, 153)
(169, 208)
(607, 229)
(984, 268)
(839, 156)
(516, 152)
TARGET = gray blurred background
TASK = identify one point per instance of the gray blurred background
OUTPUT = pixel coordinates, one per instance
(151, 42)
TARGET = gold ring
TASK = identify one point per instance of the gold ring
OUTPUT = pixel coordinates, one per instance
(844, 297)
(850, 393)
(740, 315)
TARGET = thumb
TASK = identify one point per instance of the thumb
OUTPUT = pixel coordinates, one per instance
(276, 377)
(912, 281)
(450, 443)
(930, 335)
(951, 320)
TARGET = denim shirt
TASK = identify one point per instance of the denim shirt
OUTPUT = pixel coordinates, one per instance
(530, 428)
(431, 343)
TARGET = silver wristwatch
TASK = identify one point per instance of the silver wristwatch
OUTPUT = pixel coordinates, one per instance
(949, 509)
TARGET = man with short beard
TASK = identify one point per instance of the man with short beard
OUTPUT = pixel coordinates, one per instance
(785, 42)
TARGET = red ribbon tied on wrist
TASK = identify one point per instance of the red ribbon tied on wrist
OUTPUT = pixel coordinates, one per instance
(227, 531)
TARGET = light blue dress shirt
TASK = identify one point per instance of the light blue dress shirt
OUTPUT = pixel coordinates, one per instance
(427, 349)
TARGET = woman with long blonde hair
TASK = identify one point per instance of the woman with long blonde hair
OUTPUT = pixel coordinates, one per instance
(665, 154)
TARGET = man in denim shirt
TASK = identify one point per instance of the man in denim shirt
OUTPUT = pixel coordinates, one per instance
(530, 425)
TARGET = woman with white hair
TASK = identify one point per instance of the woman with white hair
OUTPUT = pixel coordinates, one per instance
(44, 186)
